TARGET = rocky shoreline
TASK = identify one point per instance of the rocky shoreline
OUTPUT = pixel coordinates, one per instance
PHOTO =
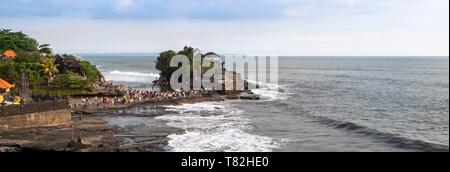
(90, 132)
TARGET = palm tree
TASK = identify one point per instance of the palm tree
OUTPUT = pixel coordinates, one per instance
(49, 68)
(45, 49)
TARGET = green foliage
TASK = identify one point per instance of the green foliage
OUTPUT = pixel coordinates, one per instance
(61, 80)
(35, 78)
(32, 70)
(12, 72)
(8, 71)
(74, 80)
(17, 41)
(92, 73)
(45, 48)
(49, 68)
(163, 62)
(27, 57)
(187, 51)
(39, 64)
(70, 57)
(69, 80)
(61, 91)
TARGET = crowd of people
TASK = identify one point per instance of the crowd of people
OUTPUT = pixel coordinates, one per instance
(132, 95)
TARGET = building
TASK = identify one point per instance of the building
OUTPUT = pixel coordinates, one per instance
(5, 86)
(9, 54)
(69, 65)
(4, 89)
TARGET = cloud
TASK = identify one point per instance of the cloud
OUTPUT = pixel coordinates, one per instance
(208, 9)
(124, 5)
(272, 37)
(285, 27)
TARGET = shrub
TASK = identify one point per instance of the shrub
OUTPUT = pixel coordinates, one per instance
(92, 73)
(70, 80)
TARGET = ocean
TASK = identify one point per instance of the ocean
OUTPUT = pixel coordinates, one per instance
(333, 104)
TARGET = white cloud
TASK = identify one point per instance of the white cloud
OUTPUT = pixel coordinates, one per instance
(388, 27)
(274, 37)
(124, 5)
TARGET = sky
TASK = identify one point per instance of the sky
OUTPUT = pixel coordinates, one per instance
(252, 27)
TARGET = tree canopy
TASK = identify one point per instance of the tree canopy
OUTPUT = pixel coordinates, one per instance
(164, 58)
(17, 41)
(43, 69)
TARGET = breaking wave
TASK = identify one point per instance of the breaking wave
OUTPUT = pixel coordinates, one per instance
(214, 127)
(126, 76)
(269, 91)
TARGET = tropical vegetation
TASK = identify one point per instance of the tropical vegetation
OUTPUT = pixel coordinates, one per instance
(43, 69)
(164, 58)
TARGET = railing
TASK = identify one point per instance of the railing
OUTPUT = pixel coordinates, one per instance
(33, 107)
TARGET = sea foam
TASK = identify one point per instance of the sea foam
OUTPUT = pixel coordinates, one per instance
(270, 92)
(214, 126)
(127, 76)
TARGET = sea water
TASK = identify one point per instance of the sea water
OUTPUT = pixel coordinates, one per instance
(328, 104)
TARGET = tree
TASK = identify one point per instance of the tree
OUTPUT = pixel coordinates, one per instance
(49, 68)
(163, 64)
(27, 57)
(35, 65)
(17, 41)
(70, 80)
(164, 58)
(8, 71)
(45, 49)
(188, 51)
(91, 72)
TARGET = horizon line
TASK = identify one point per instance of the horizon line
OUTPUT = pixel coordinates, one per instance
(224, 54)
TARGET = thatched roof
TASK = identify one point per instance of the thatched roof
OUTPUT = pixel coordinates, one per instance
(9, 53)
(73, 64)
(5, 85)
